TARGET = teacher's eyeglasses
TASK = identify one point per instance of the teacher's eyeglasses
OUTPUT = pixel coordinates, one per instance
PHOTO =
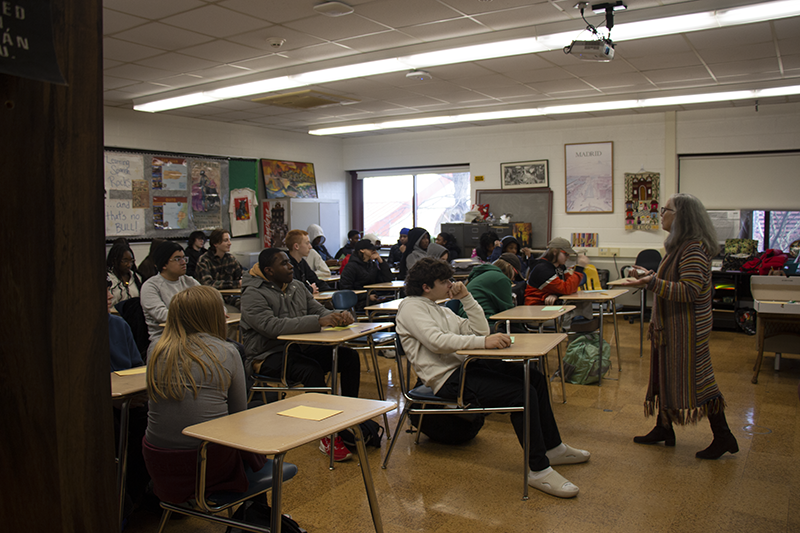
(665, 209)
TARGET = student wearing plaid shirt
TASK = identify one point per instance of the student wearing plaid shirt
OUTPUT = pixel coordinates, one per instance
(217, 267)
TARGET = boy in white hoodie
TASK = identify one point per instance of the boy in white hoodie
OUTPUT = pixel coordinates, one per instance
(431, 335)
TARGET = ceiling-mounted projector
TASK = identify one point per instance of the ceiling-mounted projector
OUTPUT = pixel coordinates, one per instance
(602, 50)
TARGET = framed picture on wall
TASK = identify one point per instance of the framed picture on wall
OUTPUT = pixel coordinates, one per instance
(589, 177)
(524, 175)
(289, 179)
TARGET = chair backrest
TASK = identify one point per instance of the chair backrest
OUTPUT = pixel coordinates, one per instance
(649, 259)
(592, 281)
(403, 367)
(344, 300)
(454, 305)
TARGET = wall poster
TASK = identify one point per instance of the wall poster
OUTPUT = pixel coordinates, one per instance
(206, 200)
(642, 200)
(169, 173)
(170, 212)
(524, 175)
(289, 179)
(589, 177)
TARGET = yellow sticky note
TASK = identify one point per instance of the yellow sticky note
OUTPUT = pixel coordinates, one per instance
(132, 371)
(339, 328)
(309, 413)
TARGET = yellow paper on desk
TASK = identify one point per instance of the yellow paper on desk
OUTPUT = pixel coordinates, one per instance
(309, 413)
(132, 371)
(339, 328)
(551, 308)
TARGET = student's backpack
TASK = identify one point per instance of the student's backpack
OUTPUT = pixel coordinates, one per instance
(370, 430)
(580, 362)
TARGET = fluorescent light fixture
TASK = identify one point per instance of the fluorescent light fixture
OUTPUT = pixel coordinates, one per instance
(563, 109)
(175, 103)
(530, 45)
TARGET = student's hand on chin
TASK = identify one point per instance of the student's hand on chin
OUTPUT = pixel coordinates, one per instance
(458, 290)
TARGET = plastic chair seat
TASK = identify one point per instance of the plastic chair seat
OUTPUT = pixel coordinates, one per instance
(259, 481)
(423, 393)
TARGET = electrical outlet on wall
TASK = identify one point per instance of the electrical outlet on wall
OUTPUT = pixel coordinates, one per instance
(608, 252)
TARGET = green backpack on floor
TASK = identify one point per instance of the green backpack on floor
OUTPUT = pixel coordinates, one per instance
(580, 362)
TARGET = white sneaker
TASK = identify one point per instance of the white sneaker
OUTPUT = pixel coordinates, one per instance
(569, 456)
(553, 483)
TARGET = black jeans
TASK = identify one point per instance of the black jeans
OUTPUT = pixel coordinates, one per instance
(501, 384)
(308, 364)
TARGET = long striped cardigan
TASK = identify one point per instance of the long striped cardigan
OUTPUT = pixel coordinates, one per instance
(682, 383)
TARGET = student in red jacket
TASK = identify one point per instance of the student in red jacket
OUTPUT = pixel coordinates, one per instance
(548, 278)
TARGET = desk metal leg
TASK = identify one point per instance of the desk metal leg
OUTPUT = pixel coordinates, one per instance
(378, 381)
(277, 492)
(526, 425)
(367, 475)
(616, 336)
(560, 351)
(122, 454)
(600, 351)
(334, 390)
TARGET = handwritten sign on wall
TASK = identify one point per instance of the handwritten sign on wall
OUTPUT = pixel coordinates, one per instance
(123, 219)
(121, 170)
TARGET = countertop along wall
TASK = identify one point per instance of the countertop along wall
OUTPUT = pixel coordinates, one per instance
(152, 131)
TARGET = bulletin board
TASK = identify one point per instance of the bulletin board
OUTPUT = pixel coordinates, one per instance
(524, 205)
(169, 195)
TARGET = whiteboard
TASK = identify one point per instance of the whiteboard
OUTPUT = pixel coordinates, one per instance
(762, 181)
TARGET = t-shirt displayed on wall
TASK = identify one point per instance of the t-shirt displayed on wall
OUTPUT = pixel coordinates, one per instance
(242, 209)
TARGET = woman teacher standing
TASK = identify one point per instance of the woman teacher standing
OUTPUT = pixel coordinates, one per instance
(682, 386)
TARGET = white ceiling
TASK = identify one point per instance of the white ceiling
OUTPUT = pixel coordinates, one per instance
(156, 46)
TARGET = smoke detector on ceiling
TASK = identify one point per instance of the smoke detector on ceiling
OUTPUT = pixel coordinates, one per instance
(333, 9)
(417, 74)
(275, 42)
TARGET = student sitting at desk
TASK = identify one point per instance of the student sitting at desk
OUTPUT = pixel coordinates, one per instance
(299, 246)
(317, 237)
(432, 334)
(490, 285)
(437, 251)
(194, 375)
(158, 291)
(195, 248)
(397, 250)
(548, 279)
(418, 241)
(125, 281)
(353, 236)
(147, 268)
(217, 267)
(124, 355)
(366, 267)
(274, 304)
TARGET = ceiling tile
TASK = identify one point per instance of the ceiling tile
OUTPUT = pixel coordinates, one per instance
(379, 41)
(123, 51)
(515, 92)
(738, 53)
(108, 63)
(787, 28)
(319, 52)
(673, 75)
(276, 11)
(537, 75)
(137, 72)
(594, 68)
(512, 65)
(474, 7)
(336, 28)
(789, 46)
(445, 30)
(294, 39)
(222, 51)
(415, 101)
(401, 13)
(216, 21)
(162, 36)
(608, 81)
(114, 21)
(791, 62)
(265, 63)
(182, 80)
(152, 9)
(177, 62)
(734, 36)
(561, 86)
(745, 67)
(524, 16)
(659, 46)
(459, 70)
(221, 72)
(111, 83)
(486, 82)
(661, 61)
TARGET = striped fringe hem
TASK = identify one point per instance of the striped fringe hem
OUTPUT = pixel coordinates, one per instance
(683, 417)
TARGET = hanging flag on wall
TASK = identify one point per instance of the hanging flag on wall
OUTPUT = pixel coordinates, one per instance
(642, 200)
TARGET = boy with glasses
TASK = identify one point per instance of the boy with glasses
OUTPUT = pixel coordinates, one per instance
(158, 291)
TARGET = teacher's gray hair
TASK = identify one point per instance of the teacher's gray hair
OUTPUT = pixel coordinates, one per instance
(691, 223)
